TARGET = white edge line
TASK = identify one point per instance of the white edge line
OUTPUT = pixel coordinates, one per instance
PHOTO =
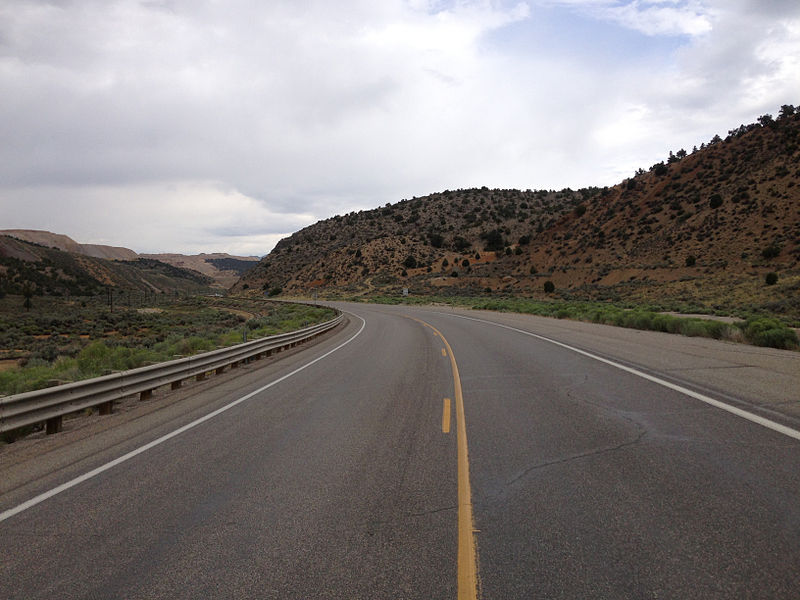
(787, 431)
(117, 461)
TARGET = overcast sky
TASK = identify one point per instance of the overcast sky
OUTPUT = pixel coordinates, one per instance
(201, 126)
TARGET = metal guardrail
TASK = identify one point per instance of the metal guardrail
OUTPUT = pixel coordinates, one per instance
(49, 405)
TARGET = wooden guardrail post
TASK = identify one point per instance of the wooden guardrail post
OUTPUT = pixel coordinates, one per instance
(54, 425)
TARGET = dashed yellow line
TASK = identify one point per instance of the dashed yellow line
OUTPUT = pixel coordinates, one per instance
(444, 352)
(446, 416)
(467, 549)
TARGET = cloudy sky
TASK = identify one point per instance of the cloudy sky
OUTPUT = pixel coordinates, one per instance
(204, 126)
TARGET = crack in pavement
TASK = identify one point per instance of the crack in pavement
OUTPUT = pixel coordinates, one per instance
(596, 452)
(424, 513)
(709, 368)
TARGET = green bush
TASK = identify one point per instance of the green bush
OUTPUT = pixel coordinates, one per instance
(769, 332)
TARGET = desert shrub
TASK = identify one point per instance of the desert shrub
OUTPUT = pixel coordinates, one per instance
(764, 331)
(100, 357)
(666, 323)
(493, 240)
(461, 244)
(410, 262)
(771, 279)
(691, 260)
(771, 251)
(549, 287)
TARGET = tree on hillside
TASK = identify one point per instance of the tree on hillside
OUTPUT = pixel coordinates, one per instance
(493, 240)
(766, 120)
(28, 289)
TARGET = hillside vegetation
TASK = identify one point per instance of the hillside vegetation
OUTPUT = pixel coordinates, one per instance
(67, 339)
(714, 229)
(223, 269)
(50, 272)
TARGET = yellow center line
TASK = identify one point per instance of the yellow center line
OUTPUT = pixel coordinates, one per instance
(446, 416)
(467, 550)
(444, 352)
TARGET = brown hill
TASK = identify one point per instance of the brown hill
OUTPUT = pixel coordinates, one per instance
(224, 269)
(67, 244)
(701, 230)
(57, 273)
(109, 252)
(45, 238)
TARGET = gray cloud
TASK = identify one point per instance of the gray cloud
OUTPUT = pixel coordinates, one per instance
(282, 113)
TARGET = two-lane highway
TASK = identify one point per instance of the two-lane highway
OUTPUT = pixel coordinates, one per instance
(336, 479)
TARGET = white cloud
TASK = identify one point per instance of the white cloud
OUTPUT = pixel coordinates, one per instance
(651, 17)
(188, 217)
(295, 111)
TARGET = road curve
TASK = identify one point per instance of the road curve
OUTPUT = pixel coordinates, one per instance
(332, 477)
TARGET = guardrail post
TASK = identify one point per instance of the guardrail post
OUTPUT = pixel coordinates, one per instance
(53, 425)
(219, 370)
(79, 396)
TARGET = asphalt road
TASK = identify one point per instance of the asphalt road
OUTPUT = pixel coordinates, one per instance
(591, 474)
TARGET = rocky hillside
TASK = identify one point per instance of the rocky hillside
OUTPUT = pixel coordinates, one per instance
(223, 269)
(67, 244)
(53, 272)
(703, 229)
